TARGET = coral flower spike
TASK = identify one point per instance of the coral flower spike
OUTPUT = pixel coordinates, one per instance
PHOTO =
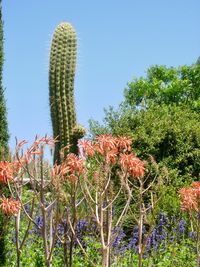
(105, 143)
(188, 199)
(6, 172)
(74, 164)
(87, 148)
(124, 143)
(133, 165)
(10, 206)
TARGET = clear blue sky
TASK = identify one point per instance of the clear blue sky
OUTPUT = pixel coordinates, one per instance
(117, 40)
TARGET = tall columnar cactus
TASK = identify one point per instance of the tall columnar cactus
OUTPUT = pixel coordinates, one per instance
(61, 85)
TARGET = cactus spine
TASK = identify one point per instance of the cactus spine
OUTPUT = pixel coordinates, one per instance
(61, 87)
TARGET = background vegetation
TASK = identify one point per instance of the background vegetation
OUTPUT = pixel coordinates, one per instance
(161, 115)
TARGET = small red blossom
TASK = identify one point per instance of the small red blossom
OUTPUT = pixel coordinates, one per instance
(75, 164)
(123, 143)
(9, 206)
(37, 147)
(133, 165)
(6, 172)
(111, 156)
(64, 172)
(87, 147)
(20, 144)
(195, 185)
(72, 178)
(105, 143)
(17, 165)
(70, 169)
(60, 170)
(48, 140)
(34, 150)
(190, 197)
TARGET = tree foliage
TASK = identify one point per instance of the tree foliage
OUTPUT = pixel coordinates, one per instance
(166, 86)
(161, 114)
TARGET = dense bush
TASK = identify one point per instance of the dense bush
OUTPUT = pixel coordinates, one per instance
(161, 114)
(171, 134)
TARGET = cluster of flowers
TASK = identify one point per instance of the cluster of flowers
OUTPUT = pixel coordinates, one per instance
(84, 229)
(114, 149)
(190, 197)
(8, 206)
(34, 150)
(70, 169)
(9, 170)
(6, 172)
(168, 229)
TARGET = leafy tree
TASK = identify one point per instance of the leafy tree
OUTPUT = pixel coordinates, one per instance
(166, 86)
(161, 113)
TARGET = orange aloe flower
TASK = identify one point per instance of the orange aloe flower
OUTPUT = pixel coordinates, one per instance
(196, 185)
(75, 164)
(9, 206)
(133, 165)
(20, 144)
(72, 178)
(87, 148)
(190, 197)
(48, 140)
(60, 170)
(105, 143)
(70, 169)
(111, 156)
(6, 172)
(124, 143)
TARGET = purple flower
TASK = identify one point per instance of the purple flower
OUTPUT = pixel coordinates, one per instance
(118, 237)
(181, 226)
